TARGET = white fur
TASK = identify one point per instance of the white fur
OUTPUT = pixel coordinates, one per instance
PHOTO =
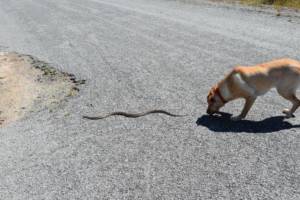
(225, 92)
(243, 84)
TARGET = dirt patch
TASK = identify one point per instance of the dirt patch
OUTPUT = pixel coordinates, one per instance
(28, 85)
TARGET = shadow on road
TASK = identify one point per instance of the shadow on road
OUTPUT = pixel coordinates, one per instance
(224, 124)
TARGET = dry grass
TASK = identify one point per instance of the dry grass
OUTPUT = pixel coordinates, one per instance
(276, 3)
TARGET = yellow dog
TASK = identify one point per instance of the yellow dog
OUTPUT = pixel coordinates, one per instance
(248, 82)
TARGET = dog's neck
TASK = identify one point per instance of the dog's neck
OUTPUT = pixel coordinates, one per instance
(224, 92)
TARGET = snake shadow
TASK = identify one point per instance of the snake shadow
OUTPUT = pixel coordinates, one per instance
(223, 123)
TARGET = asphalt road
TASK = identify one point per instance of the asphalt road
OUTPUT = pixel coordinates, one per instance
(138, 55)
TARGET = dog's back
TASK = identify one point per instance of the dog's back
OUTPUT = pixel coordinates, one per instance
(276, 73)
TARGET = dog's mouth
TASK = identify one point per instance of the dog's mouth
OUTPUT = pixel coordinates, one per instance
(211, 112)
(220, 114)
(215, 113)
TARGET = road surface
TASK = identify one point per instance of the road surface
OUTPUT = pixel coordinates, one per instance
(138, 55)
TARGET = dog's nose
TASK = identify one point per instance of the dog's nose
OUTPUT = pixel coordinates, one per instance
(208, 111)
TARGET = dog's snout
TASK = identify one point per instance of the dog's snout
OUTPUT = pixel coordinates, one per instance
(208, 111)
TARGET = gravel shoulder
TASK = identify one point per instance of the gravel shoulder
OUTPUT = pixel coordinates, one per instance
(28, 85)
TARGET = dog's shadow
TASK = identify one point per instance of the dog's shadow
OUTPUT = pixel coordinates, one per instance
(223, 123)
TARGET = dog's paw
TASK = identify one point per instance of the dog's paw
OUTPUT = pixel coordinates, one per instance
(288, 113)
(236, 118)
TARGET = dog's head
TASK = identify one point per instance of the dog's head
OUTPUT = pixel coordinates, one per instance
(215, 100)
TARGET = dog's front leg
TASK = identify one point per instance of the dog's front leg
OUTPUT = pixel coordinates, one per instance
(248, 104)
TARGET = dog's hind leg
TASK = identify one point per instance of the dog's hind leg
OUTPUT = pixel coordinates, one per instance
(291, 96)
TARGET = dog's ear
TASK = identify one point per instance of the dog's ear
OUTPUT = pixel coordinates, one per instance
(208, 97)
(211, 94)
(214, 89)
